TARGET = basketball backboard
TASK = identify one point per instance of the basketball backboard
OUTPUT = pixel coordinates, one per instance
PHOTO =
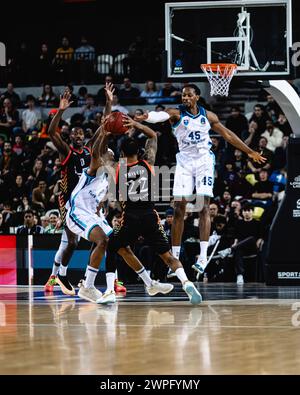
(254, 34)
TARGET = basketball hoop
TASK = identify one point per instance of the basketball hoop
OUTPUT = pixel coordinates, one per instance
(219, 76)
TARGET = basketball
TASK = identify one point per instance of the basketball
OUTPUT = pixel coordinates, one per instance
(114, 123)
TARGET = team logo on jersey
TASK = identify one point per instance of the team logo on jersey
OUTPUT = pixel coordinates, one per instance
(202, 121)
(185, 122)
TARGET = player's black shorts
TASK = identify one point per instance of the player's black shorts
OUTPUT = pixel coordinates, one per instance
(140, 223)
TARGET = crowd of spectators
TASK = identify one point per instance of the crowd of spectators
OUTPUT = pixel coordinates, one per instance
(81, 62)
(244, 191)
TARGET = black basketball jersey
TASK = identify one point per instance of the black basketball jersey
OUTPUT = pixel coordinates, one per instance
(71, 170)
(135, 184)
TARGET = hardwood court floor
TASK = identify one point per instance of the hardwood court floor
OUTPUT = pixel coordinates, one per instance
(236, 330)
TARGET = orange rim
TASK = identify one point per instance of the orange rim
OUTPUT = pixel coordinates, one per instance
(219, 66)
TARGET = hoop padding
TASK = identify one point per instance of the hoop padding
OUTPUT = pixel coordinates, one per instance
(219, 76)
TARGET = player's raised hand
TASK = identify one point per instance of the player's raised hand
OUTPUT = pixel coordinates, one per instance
(129, 122)
(257, 157)
(109, 91)
(65, 101)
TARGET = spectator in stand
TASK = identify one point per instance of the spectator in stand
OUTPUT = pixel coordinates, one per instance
(262, 190)
(238, 123)
(225, 202)
(3, 228)
(235, 213)
(48, 98)
(82, 96)
(230, 176)
(218, 152)
(273, 135)
(245, 243)
(41, 196)
(101, 98)
(18, 146)
(168, 222)
(22, 66)
(213, 212)
(135, 61)
(11, 95)
(8, 161)
(85, 58)
(44, 132)
(53, 224)
(7, 217)
(257, 125)
(18, 191)
(32, 117)
(55, 174)
(90, 108)
(85, 51)
(9, 118)
(73, 98)
(266, 153)
(283, 124)
(239, 160)
(129, 94)
(150, 93)
(272, 108)
(29, 227)
(45, 221)
(64, 53)
(19, 207)
(170, 94)
(116, 106)
(38, 173)
(280, 157)
(44, 70)
(35, 143)
(2, 140)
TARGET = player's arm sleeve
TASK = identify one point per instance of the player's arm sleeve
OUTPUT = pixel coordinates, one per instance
(157, 116)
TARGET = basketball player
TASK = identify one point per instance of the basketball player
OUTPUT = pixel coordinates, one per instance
(195, 162)
(139, 218)
(84, 219)
(74, 158)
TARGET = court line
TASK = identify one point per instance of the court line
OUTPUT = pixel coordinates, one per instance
(121, 325)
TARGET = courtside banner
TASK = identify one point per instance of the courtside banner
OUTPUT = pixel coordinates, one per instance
(8, 260)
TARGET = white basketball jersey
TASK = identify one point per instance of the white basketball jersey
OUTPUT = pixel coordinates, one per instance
(89, 192)
(192, 133)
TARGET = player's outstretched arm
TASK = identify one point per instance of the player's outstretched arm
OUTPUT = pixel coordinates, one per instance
(99, 149)
(171, 114)
(151, 143)
(109, 93)
(232, 138)
(55, 136)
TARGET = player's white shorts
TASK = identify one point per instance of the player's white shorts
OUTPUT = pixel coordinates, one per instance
(194, 172)
(82, 223)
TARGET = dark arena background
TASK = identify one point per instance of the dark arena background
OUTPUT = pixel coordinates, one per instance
(248, 320)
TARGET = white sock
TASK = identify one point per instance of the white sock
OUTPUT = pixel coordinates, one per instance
(55, 269)
(149, 273)
(176, 251)
(145, 277)
(180, 273)
(63, 270)
(203, 251)
(90, 277)
(110, 282)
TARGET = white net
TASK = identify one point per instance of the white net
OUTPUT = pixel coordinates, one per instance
(219, 77)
